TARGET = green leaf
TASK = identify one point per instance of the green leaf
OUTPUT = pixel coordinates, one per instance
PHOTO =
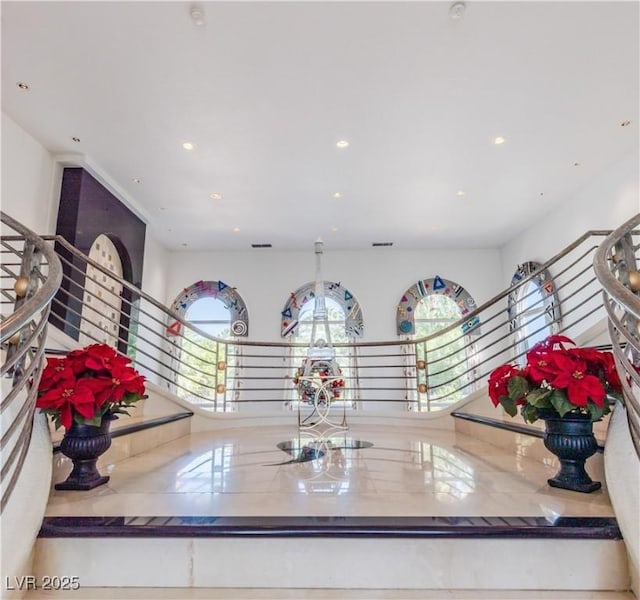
(596, 412)
(529, 413)
(539, 398)
(561, 403)
(509, 406)
(518, 387)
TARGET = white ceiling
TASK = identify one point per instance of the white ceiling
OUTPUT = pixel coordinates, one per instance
(264, 90)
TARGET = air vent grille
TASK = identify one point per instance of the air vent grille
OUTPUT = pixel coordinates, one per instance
(381, 244)
(261, 246)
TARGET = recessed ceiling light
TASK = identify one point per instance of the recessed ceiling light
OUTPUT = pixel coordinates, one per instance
(188, 145)
(342, 144)
(576, 164)
(236, 229)
(625, 123)
(136, 180)
(499, 140)
(460, 193)
(434, 227)
(382, 244)
(76, 140)
(337, 195)
(162, 208)
(184, 245)
(23, 86)
(215, 196)
(542, 193)
(334, 229)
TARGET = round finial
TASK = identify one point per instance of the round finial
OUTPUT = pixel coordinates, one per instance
(421, 364)
(220, 388)
(634, 280)
(422, 388)
(222, 365)
(20, 286)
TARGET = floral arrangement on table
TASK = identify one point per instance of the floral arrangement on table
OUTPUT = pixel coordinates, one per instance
(87, 384)
(322, 372)
(557, 378)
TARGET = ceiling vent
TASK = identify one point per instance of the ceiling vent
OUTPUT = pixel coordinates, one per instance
(381, 244)
(261, 246)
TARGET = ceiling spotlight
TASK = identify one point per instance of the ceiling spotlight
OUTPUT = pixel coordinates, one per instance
(188, 145)
(337, 195)
(23, 86)
(184, 245)
(576, 164)
(215, 196)
(236, 229)
(334, 229)
(460, 193)
(457, 10)
(542, 193)
(342, 144)
(499, 140)
(625, 123)
(197, 15)
(76, 140)
(136, 180)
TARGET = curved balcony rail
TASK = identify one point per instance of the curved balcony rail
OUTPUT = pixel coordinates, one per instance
(424, 374)
(616, 267)
(31, 275)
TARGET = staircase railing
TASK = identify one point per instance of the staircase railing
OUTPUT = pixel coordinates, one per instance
(616, 267)
(30, 276)
(419, 374)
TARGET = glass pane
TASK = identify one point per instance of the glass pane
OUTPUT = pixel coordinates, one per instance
(208, 309)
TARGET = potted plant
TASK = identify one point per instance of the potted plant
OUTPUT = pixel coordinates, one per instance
(568, 387)
(83, 392)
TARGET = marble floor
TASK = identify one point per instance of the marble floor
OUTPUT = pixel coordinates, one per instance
(405, 472)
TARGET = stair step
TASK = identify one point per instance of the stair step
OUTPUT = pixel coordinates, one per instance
(602, 528)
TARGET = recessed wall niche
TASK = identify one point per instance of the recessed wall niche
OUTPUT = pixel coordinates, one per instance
(87, 209)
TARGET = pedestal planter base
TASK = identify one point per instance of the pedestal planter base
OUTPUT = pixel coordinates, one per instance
(84, 444)
(571, 439)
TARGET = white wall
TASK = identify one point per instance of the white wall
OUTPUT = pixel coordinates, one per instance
(607, 201)
(377, 277)
(30, 179)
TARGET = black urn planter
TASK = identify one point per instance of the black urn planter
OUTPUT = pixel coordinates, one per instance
(571, 439)
(84, 444)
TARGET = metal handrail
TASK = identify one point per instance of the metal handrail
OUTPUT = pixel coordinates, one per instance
(23, 336)
(615, 265)
(158, 355)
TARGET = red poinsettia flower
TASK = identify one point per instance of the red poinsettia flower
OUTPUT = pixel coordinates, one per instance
(123, 380)
(499, 381)
(579, 384)
(56, 370)
(69, 396)
(103, 357)
(541, 363)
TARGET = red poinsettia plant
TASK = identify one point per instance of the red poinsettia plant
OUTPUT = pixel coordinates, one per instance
(557, 378)
(87, 384)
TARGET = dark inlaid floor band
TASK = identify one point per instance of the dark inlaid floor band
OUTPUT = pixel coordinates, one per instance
(378, 527)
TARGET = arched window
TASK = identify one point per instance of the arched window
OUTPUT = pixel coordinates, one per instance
(345, 325)
(534, 309)
(206, 372)
(439, 371)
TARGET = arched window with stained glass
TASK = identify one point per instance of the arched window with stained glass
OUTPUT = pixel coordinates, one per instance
(206, 371)
(439, 371)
